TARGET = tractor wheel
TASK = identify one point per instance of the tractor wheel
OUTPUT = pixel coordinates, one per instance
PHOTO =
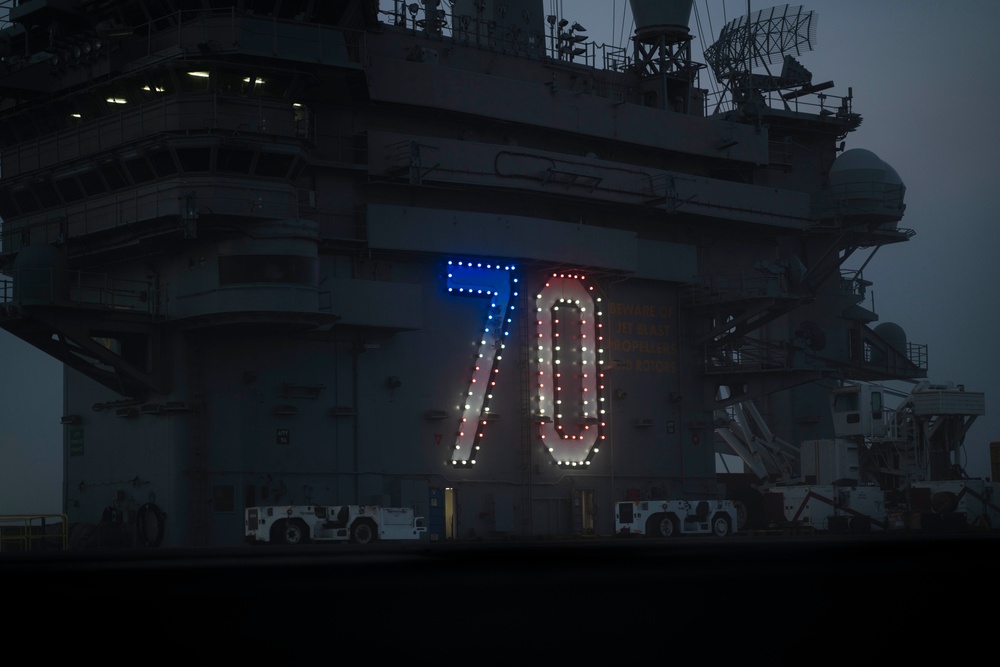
(294, 532)
(663, 525)
(749, 506)
(720, 525)
(363, 532)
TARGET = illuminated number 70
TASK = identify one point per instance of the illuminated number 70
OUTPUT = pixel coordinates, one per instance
(570, 386)
(497, 283)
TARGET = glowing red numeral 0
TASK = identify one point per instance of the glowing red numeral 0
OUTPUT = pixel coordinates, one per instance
(569, 393)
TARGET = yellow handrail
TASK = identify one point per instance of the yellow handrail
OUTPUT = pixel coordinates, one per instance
(27, 529)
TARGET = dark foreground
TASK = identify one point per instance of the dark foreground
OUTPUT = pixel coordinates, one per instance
(739, 600)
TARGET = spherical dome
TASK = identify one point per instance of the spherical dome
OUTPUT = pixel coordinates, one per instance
(40, 275)
(891, 177)
(892, 334)
(864, 186)
(857, 158)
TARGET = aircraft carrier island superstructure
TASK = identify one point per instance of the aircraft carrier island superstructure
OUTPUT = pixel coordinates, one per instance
(447, 256)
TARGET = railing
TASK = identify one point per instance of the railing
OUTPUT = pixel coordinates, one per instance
(25, 532)
(181, 199)
(751, 355)
(190, 115)
(917, 354)
(823, 104)
(77, 288)
(862, 198)
(193, 35)
(737, 286)
(228, 29)
(510, 34)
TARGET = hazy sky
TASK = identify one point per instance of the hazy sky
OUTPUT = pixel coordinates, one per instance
(924, 79)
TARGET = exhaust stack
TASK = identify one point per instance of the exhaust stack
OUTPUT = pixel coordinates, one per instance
(658, 17)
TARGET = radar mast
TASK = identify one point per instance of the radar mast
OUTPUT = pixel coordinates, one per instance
(759, 39)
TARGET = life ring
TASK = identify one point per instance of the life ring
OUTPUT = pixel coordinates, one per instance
(150, 525)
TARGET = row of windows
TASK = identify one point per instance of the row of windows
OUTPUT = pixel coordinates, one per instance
(129, 170)
(144, 87)
(292, 269)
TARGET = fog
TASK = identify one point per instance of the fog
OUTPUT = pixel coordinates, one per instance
(922, 75)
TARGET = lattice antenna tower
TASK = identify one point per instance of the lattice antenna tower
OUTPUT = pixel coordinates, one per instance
(760, 39)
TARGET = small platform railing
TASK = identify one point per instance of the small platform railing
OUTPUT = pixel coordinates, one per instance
(28, 532)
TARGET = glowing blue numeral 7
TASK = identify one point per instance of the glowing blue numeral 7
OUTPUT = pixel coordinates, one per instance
(497, 283)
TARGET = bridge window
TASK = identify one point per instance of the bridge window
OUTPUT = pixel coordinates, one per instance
(270, 165)
(163, 162)
(140, 170)
(69, 189)
(195, 159)
(91, 182)
(244, 269)
(234, 160)
(113, 174)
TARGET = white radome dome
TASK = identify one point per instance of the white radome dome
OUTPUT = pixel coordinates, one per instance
(864, 185)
